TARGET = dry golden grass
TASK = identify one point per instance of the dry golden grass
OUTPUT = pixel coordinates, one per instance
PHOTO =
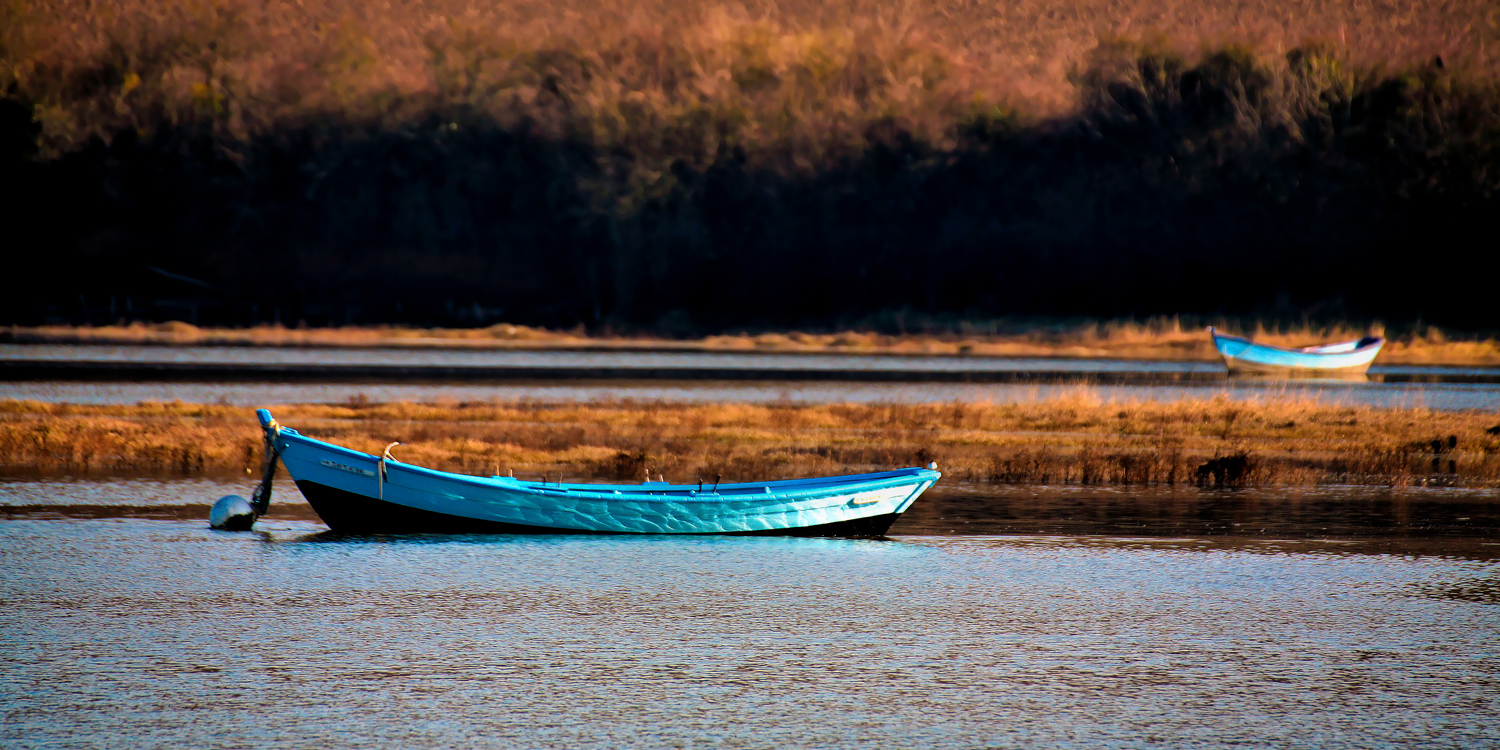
(1165, 338)
(790, 73)
(1076, 438)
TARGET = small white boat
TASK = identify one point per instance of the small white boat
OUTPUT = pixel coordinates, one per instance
(1245, 357)
(361, 493)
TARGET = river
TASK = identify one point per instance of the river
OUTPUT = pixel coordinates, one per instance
(127, 622)
(798, 378)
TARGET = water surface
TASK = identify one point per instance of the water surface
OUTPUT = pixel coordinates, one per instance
(422, 356)
(1447, 388)
(132, 627)
(155, 633)
(1442, 396)
(1457, 520)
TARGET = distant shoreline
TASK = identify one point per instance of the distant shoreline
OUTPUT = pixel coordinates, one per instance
(1103, 340)
(21, 370)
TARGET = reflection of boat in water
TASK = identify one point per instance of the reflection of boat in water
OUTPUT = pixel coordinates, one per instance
(1245, 357)
(357, 492)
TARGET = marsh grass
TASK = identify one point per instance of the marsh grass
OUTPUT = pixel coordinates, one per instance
(1078, 438)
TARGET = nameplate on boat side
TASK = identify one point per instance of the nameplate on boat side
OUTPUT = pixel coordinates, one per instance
(332, 464)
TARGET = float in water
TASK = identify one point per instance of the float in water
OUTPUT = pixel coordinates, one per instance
(1245, 357)
(357, 492)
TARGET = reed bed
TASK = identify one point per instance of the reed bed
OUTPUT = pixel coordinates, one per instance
(1162, 338)
(1078, 438)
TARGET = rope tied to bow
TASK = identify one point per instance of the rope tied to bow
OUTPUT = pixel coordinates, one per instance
(260, 500)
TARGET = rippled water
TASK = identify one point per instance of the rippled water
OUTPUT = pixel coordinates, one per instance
(480, 357)
(152, 631)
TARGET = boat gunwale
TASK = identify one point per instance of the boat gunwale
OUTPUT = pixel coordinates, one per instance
(1378, 342)
(810, 488)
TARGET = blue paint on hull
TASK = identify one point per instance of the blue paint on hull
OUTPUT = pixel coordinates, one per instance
(1243, 356)
(400, 496)
(348, 513)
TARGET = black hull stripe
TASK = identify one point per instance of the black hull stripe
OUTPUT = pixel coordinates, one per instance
(351, 513)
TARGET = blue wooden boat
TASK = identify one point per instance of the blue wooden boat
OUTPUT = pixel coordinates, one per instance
(362, 493)
(1245, 357)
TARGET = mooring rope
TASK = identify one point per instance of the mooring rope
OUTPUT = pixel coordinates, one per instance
(260, 500)
(380, 478)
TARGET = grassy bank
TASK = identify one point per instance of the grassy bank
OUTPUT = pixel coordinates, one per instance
(698, 167)
(1156, 339)
(1073, 439)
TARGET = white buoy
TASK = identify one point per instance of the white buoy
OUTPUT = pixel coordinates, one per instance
(231, 513)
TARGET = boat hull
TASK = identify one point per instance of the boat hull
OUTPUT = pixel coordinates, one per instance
(356, 492)
(349, 513)
(1346, 360)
